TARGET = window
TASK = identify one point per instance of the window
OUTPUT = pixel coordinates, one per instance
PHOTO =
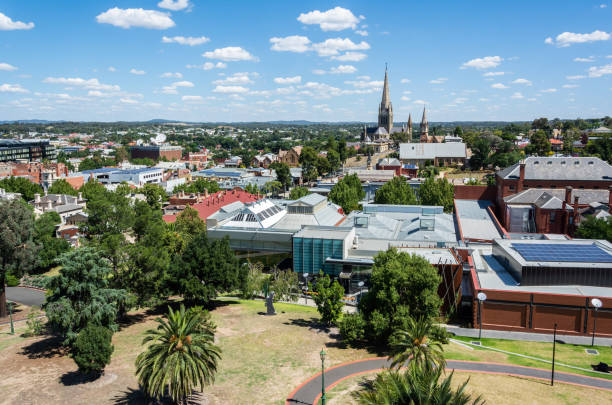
(511, 188)
(553, 216)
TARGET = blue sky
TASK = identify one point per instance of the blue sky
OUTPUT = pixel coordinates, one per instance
(252, 60)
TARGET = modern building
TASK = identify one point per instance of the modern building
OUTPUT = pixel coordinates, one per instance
(439, 154)
(26, 149)
(156, 152)
(137, 177)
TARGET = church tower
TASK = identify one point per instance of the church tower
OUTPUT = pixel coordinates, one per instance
(385, 111)
(409, 127)
(424, 127)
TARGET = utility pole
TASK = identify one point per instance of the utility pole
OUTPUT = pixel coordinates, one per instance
(552, 375)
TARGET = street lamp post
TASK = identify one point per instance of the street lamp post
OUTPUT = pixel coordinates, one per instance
(360, 284)
(552, 375)
(481, 298)
(306, 283)
(10, 305)
(596, 302)
(322, 354)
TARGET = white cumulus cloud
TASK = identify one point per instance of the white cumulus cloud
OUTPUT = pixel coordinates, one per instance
(333, 46)
(343, 69)
(568, 38)
(237, 78)
(7, 24)
(288, 80)
(403, 81)
(292, 43)
(191, 41)
(363, 33)
(589, 59)
(174, 5)
(487, 62)
(229, 54)
(192, 99)
(570, 86)
(136, 17)
(208, 66)
(335, 19)
(351, 57)
(517, 95)
(7, 67)
(230, 89)
(439, 80)
(12, 88)
(137, 72)
(490, 74)
(598, 71)
(112, 69)
(176, 75)
(499, 86)
(90, 84)
(549, 91)
(575, 77)
(522, 81)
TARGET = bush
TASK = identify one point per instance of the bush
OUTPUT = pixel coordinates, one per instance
(92, 348)
(35, 324)
(35, 281)
(352, 327)
(11, 281)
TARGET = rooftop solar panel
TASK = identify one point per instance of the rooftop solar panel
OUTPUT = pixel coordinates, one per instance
(544, 252)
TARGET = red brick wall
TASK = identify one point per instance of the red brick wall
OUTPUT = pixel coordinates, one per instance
(464, 192)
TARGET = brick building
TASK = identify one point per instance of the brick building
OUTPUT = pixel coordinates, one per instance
(156, 152)
(544, 194)
(291, 157)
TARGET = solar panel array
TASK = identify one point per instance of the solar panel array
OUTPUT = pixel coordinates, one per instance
(544, 252)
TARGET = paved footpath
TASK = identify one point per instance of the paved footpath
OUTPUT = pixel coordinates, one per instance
(26, 296)
(310, 391)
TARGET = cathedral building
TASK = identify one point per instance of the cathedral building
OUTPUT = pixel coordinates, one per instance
(380, 137)
(424, 135)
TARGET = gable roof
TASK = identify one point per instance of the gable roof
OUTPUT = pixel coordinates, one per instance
(560, 168)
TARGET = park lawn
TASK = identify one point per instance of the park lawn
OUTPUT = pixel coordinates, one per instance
(509, 390)
(573, 355)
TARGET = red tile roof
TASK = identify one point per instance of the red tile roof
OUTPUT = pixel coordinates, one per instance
(215, 202)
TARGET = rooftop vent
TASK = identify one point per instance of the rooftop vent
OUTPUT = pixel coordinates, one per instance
(549, 162)
(536, 162)
(563, 162)
(591, 163)
(577, 162)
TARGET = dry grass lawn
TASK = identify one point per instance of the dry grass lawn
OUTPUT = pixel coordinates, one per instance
(494, 389)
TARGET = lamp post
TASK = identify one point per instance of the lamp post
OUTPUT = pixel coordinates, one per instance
(360, 284)
(10, 305)
(481, 298)
(596, 302)
(552, 375)
(322, 354)
(306, 283)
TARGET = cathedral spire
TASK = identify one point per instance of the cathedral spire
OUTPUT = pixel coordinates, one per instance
(385, 96)
(409, 126)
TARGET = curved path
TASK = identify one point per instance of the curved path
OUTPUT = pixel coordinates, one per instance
(310, 391)
(26, 296)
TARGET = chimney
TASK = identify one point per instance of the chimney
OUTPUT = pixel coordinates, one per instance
(49, 205)
(80, 196)
(568, 194)
(610, 199)
(521, 176)
(36, 198)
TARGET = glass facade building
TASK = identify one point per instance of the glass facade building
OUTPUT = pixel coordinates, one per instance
(310, 254)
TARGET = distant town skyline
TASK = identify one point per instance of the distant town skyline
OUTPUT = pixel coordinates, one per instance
(318, 61)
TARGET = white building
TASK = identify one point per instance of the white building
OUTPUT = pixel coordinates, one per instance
(440, 154)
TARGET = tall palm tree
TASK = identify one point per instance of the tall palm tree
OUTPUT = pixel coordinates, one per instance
(415, 387)
(181, 357)
(416, 343)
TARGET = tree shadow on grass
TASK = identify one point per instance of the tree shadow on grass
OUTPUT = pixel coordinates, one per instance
(136, 396)
(46, 348)
(312, 324)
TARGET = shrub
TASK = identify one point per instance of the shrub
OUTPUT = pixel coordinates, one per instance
(352, 327)
(35, 324)
(11, 281)
(39, 281)
(92, 348)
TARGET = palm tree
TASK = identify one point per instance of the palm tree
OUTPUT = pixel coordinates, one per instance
(181, 357)
(415, 387)
(416, 343)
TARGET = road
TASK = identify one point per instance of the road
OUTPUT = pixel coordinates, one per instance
(26, 296)
(310, 391)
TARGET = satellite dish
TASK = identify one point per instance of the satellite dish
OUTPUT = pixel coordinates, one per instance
(160, 138)
(596, 302)
(139, 142)
(482, 296)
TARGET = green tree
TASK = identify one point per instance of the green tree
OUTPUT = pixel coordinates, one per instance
(458, 131)
(188, 223)
(181, 356)
(283, 174)
(44, 236)
(309, 160)
(402, 286)
(396, 192)
(206, 267)
(437, 192)
(284, 283)
(298, 192)
(155, 195)
(92, 190)
(121, 154)
(328, 298)
(272, 187)
(80, 294)
(21, 185)
(333, 159)
(347, 193)
(481, 150)
(92, 349)
(17, 248)
(416, 387)
(255, 280)
(417, 344)
(61, 186)
(595, 228)
(538, 144)
(198, 186)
